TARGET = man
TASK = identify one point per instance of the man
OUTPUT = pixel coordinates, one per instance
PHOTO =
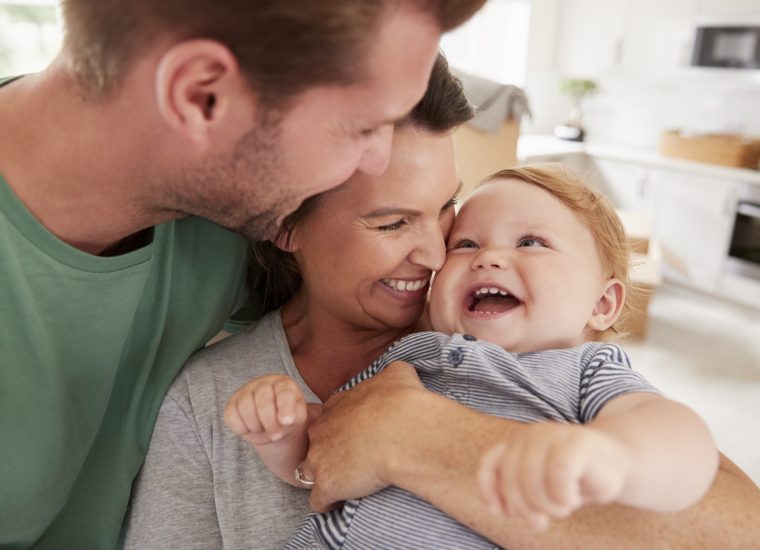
(154, 117)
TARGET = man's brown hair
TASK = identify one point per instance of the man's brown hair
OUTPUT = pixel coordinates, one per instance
(283, 46)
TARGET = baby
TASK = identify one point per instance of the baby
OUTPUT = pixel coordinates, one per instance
(535, 279)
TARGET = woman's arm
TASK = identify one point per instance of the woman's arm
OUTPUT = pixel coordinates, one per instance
(390, 430)
(172, 502)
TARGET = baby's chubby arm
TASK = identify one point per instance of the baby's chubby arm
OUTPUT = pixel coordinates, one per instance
(270, 412)
(641, 450)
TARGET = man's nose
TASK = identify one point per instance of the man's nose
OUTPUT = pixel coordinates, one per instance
(377, 152)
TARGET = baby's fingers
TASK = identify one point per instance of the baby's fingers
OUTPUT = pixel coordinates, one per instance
(291, 407)
(266, 411)
(233, 419)
(240, 415)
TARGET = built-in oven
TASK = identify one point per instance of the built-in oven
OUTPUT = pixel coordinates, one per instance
(744, 248)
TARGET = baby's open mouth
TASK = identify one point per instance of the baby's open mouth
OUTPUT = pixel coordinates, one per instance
(490, 299)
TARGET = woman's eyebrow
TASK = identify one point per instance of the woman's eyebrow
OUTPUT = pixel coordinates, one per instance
(391, 211)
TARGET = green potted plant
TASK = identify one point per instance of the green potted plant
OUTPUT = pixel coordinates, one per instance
(577, 89)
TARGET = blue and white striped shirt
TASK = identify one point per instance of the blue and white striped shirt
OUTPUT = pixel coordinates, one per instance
(564, 385)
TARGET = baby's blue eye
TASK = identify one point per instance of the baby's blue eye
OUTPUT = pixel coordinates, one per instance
(463, 243)
(529, 241)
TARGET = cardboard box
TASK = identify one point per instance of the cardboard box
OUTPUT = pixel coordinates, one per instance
(723, 149)
(646, 276)
(480, 154)
(637, 230)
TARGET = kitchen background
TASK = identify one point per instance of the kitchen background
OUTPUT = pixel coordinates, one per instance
(699, 338)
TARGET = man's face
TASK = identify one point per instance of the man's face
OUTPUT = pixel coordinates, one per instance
(324, 136)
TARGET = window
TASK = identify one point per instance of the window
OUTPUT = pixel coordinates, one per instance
(494, 43)
(30, 35)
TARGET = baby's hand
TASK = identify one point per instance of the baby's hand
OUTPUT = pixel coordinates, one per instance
(548, 470)
(266, 409)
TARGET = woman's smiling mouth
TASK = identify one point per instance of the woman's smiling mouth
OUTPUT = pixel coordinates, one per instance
(406, 286)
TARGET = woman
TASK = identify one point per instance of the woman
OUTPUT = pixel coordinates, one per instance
(366, 252)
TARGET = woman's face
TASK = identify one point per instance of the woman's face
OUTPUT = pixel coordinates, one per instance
(368, 250)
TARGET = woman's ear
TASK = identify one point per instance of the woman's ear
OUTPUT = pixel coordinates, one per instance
(608, 306)
(199, 89)
(287, 241)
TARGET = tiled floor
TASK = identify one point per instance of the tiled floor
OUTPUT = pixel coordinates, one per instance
(705, 352)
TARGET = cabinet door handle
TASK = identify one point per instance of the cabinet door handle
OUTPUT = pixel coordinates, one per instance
(643, 186)
(749, 209)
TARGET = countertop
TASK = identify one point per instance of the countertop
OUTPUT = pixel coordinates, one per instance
(538, 145)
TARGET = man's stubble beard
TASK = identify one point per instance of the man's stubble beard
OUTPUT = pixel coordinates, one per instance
(247, 191)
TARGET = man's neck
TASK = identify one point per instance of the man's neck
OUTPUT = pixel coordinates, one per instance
(68, 161)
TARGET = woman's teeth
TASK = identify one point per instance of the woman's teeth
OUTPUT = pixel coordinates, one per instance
(406, 286)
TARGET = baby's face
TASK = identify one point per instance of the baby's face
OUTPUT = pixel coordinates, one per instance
(521, 271)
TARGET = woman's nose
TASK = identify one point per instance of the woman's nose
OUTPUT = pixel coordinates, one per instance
(430, 251)
(377, 153)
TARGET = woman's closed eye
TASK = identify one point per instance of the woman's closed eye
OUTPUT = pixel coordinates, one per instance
(395, 226)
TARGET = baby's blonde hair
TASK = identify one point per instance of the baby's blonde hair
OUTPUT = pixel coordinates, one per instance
(593, 210)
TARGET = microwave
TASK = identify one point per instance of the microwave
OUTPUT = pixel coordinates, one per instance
(727, 46)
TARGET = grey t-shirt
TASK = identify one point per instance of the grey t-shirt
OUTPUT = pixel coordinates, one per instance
(202, 486)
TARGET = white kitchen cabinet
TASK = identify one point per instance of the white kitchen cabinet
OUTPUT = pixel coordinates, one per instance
(642, 38)
(693, 222)
(690, 214)
(658, 37)
(591, 37)
(626, 184)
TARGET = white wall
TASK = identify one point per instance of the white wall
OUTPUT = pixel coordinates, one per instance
(638, 50)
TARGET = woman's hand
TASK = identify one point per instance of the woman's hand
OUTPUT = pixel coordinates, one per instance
(266, 409)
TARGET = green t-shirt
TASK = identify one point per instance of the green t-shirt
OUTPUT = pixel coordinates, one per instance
(88, 347)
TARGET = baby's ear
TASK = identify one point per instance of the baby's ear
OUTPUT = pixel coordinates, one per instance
(608, 306)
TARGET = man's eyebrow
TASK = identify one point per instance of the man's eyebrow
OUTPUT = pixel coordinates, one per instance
(459, 189)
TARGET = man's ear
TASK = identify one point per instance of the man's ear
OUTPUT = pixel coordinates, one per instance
(608, 306)
(199, 86)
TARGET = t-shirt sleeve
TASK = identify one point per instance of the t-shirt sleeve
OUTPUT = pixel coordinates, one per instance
(606, 373)
(172, 503)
